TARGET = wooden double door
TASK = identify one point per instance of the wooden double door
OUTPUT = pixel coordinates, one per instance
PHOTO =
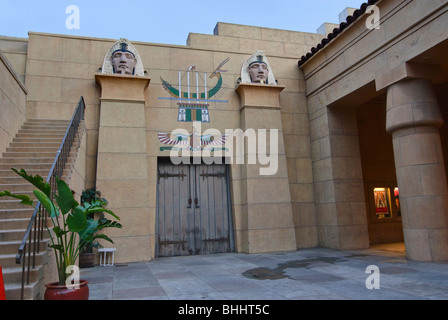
(193, 210)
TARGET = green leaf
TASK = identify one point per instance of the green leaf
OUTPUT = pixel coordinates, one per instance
(99, 209)
(89, 230)
(76, 220)
(25, 199)
(102, 236)
(36, 181)
(64, 198)
(57, 247)
(46, 202)
(109, 224)
(59, 232)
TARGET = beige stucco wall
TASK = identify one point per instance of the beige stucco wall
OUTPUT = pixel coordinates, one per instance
(78, 166)
(15, 50)
(60, 69)
(12, 102)
(355, 68)
(319, 106)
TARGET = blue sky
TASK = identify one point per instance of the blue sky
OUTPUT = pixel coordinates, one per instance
(168, 21)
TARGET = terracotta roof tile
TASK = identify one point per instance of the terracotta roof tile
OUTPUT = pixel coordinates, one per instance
(350, 19)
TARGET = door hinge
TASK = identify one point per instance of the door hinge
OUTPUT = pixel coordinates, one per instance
(218, 175)
(165, 175)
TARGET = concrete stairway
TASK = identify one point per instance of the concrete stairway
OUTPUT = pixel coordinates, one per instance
(34, 149)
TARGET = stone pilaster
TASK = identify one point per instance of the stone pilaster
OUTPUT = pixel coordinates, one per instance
(122, 175)
(267, 213)
(338, 181)
(414, 119)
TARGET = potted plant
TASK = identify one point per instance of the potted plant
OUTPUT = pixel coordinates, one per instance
(69, 223)
(88, 240)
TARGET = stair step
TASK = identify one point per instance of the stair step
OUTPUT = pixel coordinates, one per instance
(53, 124)
(13, 204)
(13, 234)
(40, 135)
(8, 261)
(35, 154)
(14, 275)
(35, 145)
(50, 121)
(28, 166)
(18, 179)
(13, 291)
(37, 140)
(18, 188)
(44, 125)
(7, 203)
(6, 224)
(10, 173)
(33, 149)
(12, 247)
(11, 180)
(23, 213)
(48, 129)
(12, 160)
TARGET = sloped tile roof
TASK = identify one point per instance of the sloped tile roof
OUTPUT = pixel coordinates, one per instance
(350, 19)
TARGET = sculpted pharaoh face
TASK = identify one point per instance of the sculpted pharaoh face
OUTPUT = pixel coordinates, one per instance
(123, 62)
(258, 72)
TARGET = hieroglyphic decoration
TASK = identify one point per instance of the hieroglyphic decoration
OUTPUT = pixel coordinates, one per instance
(193, 104)
(193, 142)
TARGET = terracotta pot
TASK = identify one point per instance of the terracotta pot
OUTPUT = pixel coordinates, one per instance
(55, 291)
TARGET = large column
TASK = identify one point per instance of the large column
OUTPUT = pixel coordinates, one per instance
(122, 175)
(414, 119)
(266, 204)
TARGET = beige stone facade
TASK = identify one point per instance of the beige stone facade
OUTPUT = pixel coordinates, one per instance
(12, 102)
(363, 115)
(376, 122)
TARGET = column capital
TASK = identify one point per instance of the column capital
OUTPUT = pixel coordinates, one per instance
(259, 95)
(122, 87)
(406, 71)
(412, 103)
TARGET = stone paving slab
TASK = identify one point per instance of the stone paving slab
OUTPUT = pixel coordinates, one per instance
(311, 274)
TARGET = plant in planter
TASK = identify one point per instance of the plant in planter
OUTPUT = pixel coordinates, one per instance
(69, 223)
(91, 198)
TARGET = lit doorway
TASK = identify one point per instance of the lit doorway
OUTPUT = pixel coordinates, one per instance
(382, 192)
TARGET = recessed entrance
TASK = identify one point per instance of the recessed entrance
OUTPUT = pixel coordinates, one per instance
(380, 181)
(193, 210)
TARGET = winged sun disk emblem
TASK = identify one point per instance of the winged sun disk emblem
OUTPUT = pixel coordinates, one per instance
(183, 139)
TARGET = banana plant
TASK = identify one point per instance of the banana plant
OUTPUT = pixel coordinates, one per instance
(95, 223)
(69, 221)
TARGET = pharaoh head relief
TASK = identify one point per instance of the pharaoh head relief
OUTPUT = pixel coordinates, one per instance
(257, 69)
(122, 58)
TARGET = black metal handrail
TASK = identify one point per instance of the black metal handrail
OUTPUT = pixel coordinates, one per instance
(34, 233)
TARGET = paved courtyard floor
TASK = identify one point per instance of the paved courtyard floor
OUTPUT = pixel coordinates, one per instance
(379, 273)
